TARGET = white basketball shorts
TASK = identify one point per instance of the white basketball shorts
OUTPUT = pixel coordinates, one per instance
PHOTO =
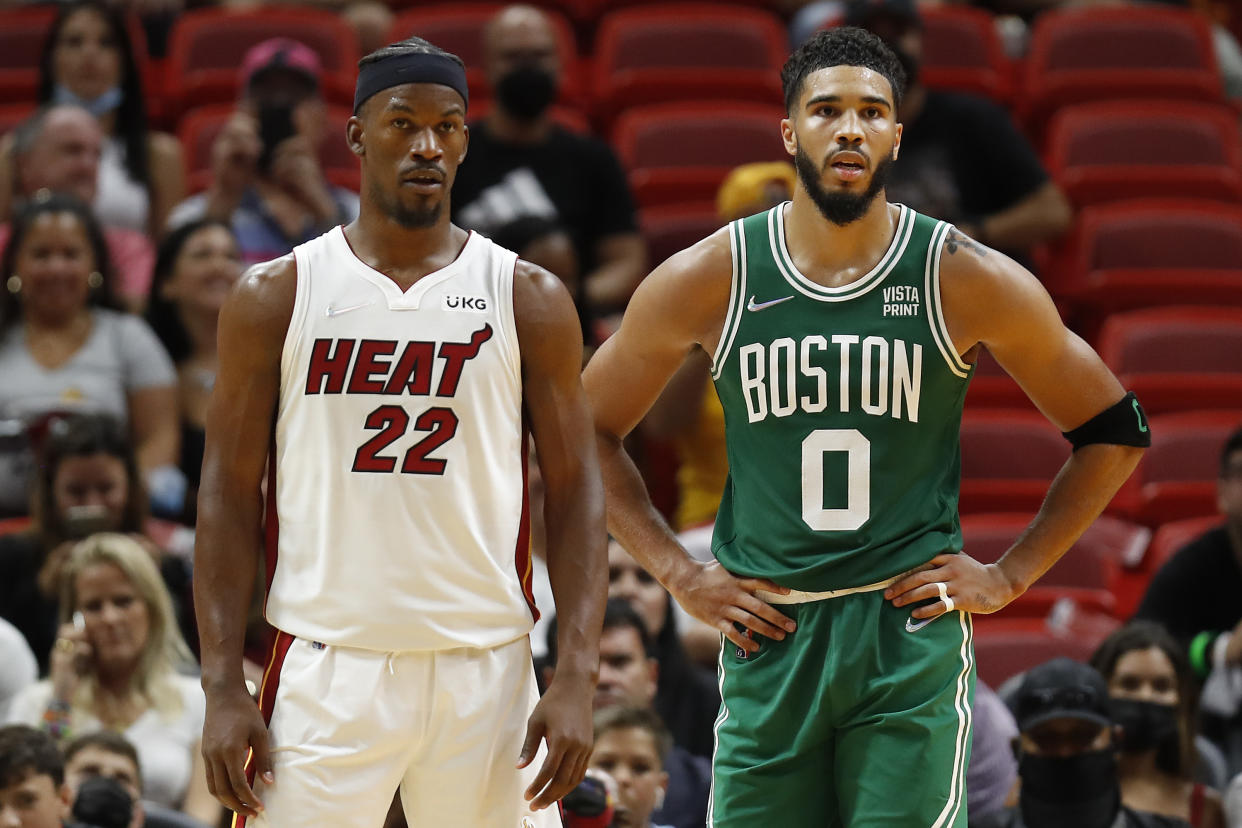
(347, 727)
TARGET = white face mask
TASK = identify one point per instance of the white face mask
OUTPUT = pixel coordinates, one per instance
(101, 105)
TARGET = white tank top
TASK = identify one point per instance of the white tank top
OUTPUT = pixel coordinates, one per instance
(400, 489)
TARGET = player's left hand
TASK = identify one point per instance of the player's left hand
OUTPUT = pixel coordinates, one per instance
(969, 586)
(562, 718)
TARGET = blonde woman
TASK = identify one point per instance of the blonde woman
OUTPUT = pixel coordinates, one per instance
(115, 666)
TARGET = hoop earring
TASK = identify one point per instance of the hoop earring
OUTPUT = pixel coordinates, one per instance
(14, 284)
(95, 280)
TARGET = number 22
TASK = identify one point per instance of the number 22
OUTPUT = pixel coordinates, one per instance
(392, 422)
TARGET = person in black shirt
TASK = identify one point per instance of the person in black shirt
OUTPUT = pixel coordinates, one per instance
(962, 159)
(521, 163)
(1195, 596)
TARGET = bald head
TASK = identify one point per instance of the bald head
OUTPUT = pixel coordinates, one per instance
(519, 36)
(58, 150)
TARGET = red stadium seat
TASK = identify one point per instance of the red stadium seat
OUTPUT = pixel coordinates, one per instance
(1177, 476)
(12, 115)
(689, 51)
(1133, 149)
(1139, 51)
(1005, 649)
(682, 152)
(199, 127)
(991, 387)
(1008, 460)
(1174, 340)
(962, 51)
(672, 228)
(458, 28)
(1094, 562)
(1145, 253)
(207, 45)
(1179, 359)
(22, 39)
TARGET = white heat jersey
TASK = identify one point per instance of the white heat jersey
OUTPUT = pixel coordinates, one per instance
(400, 487)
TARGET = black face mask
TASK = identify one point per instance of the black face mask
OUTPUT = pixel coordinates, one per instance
(526, 92)
(1144, 725)
(1079, 791)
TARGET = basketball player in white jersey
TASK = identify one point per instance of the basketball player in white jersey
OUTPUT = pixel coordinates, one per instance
(380, 380)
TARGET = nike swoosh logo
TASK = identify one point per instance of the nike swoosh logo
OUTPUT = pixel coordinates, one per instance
(331, 311)
(915, 626)
(751, 306)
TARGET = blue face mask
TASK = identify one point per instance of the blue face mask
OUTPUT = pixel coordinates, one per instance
(102, 105)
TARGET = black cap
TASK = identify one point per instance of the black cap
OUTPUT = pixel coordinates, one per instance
(1061, 689)
(860, 12)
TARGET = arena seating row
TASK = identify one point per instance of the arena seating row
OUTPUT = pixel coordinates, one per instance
(654, 53)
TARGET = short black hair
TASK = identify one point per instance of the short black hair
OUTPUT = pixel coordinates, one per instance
(1232, 445)
(843, 46)
(26, 752)
(618, 614)
(409, 46)
(621, 717)
(108, 741)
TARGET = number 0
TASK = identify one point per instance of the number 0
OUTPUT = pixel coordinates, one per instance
(858, 497)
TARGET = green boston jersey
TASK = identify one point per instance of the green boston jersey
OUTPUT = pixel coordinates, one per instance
(842, 409)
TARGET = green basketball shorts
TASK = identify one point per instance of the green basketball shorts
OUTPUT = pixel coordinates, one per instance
(850, 722)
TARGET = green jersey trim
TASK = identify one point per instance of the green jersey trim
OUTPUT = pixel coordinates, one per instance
(822, 293)
(935, 312)
(733, 317)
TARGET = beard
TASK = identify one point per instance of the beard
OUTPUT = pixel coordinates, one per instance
(840, 208)
(411, 218)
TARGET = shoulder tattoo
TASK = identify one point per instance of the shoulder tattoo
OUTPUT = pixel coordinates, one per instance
(958, 239)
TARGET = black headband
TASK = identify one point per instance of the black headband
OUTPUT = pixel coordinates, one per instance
(421, 67)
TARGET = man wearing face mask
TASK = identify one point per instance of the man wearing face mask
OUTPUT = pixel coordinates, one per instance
(961, 158)
(522, 163)
(1067, 755)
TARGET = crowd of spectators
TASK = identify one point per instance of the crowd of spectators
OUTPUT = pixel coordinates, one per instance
(116, 261)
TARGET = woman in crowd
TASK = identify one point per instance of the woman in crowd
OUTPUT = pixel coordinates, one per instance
(115, 666)
(195, 268)
(88, 59)
(88, 482)
(64, 347)
(1153, 699)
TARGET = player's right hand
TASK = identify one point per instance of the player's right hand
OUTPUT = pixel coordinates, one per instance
(722, 601)
(233, 725)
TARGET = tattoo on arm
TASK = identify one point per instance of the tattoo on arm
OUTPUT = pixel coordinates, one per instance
(957, 239)
(986, 604)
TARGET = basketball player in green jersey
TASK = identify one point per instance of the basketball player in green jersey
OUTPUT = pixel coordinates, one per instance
(842, 329)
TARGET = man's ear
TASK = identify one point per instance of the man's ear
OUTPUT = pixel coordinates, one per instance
(788, 137)
(353, 135)
(897, 142)
(66, 800)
